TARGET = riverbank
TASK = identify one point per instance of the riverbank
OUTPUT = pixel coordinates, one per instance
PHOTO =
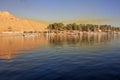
(52, 33)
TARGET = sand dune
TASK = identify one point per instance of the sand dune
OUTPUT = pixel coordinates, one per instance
(9, 22)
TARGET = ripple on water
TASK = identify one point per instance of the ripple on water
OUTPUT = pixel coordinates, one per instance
(73, 61)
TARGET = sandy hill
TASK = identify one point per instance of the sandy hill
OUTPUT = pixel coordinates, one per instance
(9, 22)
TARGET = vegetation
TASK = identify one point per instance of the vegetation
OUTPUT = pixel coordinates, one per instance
(82, 27)
(9, 28)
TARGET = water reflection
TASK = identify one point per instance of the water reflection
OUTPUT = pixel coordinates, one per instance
(10, 46)
(82, 41)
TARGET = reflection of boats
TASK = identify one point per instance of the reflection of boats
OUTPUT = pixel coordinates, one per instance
(11, 45)
(115, 32)
(10, 33)
(73, 33)
(29, 35)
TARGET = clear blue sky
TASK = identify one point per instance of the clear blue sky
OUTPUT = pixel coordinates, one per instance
(64, 10)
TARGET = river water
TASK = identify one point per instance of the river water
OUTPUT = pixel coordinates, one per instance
(86, 57)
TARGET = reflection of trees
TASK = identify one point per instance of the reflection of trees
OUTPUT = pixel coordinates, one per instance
(11, 45)
(57, 40)
(82, 40)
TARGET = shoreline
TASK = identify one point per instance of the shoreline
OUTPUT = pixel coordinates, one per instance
(58, 33)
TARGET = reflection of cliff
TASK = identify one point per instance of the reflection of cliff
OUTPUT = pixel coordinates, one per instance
(82, 40)
(9, 46)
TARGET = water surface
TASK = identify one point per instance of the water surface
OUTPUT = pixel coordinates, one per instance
(86, 57)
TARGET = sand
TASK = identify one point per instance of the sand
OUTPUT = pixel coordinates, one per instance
(9, 22)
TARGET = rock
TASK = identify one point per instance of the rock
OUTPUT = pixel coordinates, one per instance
(9, 22)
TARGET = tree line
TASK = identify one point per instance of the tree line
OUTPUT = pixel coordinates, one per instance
(82, 27)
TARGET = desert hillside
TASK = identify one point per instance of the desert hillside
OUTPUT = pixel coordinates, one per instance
(9, 22)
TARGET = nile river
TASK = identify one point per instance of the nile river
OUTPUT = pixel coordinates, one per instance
(86, 57)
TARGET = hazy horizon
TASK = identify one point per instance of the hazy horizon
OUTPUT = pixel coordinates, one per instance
(67, 11)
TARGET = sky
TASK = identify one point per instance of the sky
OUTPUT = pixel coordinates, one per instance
(79, 11)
